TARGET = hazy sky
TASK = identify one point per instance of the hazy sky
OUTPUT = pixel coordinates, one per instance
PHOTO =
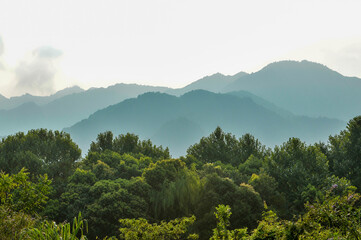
(47, 45)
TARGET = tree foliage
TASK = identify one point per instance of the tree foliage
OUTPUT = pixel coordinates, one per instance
(294, 191)
(128, 143)
(140, 229)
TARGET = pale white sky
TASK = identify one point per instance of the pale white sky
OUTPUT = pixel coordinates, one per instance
(47, 45)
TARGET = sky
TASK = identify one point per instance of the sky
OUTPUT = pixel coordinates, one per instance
(47, 45)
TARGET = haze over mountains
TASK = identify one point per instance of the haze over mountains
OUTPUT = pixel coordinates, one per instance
(305, 88)
(13, 102)
(282, 100)
(170, 121)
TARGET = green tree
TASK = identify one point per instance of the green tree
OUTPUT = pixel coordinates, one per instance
(175, 189)
(221, 232)
(243, 199)
(140, 229)
(13, 224)
(345, 152)
(40, 151)
(63, 231)
(224, 147)
(128, 143)
(300, 171)
(112, 201)
(20, 194)
(267, 187)
(20, 200)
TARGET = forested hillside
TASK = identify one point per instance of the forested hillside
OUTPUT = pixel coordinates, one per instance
(224, 187)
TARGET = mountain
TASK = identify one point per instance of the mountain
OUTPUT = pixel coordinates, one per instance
(214, 83)
(178, 134)
(262, 102)
(67, 110)
(304, 88)
(71, 105)
(178, 122)
(13, 102)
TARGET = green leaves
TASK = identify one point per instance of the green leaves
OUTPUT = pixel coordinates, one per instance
(40, 151)
(62, 231)
(128, 143)
(18, 193)
(140, 229)
(224, 147)
(298, 168)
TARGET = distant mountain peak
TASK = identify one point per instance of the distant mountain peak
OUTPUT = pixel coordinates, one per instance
(303, 65)
(68, 90)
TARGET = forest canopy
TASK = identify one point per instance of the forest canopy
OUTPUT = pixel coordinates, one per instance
(223, 188)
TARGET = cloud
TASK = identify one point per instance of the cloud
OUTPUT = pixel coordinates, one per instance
(36, 73)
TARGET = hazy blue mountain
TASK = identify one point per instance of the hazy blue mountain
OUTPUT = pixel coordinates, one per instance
(2, 98)
(13, 102)
(262, 102)
(214, 83)
(178, 122)
(71, 105)
(67, 110)
(22, 118)
(304, 88)
(177, 134)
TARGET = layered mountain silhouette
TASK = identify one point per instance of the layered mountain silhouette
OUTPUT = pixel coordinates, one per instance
(178, 122)
(281, 100)
(304, 88)
(213, 83)
(67, 110)
(71, 105)
(13, 102)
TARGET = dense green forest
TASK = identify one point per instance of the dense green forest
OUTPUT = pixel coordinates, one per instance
(223, 188)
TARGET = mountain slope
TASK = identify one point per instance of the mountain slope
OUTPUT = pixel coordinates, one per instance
(304, 88)
(14, 102)
(214, 83)
(67, 110)
(163, 116)
(262, 102)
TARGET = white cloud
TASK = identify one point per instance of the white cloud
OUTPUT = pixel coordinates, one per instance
(35, 74)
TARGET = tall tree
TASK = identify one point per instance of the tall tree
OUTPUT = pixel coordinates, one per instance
(40, 151)
(345, 152)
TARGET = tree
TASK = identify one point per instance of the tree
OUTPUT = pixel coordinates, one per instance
(243, 199)
(20, 194)
(224, 147)
(267, 187)
(128, 143)
(221, 232)
(345, 152)
(63, 231)
(139, 229)
(301, 172)
(20, 199)
(40, 151)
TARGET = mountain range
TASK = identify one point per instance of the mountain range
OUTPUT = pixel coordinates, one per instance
(304, 88)
(178, 122)
(283, 99)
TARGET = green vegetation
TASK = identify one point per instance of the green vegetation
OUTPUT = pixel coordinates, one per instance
(224, 188)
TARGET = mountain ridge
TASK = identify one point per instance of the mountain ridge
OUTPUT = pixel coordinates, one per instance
(201, 111)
